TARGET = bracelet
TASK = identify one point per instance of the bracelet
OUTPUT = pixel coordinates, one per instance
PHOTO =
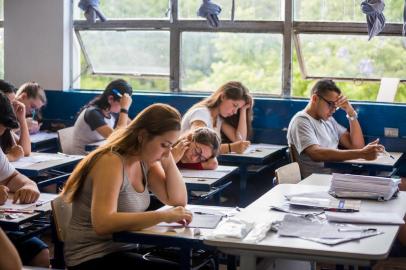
(229, 148)
(122, 110)
(352, 118)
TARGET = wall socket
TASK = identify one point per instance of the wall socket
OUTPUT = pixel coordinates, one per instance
(391, 132)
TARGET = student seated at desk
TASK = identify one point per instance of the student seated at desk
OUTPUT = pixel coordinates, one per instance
(109, 191)
(32, 251)
(32, 95)
(98, 119)
(217, 112)
(315, 134)
(15, 146)
(197, 150)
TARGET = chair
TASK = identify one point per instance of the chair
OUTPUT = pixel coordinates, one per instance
(294, 155)
(288, 174)
(65, 136)
(61, 213)
(387, 89)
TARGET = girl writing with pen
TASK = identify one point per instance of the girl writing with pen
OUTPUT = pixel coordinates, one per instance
(15, 146)
(109, 191)
(102, 115)
(227, 111)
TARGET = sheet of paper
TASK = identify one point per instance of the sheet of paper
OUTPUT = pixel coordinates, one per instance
(42, 136)
(365, 217)
(33, 159)
(43, 198)
(211, 174)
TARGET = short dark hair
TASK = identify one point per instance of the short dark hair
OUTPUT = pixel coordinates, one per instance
(323, 86)
(7, 87)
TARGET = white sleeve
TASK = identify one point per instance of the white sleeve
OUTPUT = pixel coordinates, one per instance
(200, 114)
(303, 134)
(6, 169)
(339, 128)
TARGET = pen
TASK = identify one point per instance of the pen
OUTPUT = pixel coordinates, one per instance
(387, 153)
(33, 114)
(12, 211)
(356, 230)
(340, 210)
(115, 91)
(204, 213)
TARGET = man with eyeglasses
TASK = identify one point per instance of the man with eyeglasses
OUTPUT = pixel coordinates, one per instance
(314, 135)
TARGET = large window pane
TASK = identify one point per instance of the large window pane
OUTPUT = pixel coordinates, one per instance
(126, 9)
(244, 9)
(1, 9)
(353, 56)
(91, 81)
(210, 59)
(128, 52)
(342, 10)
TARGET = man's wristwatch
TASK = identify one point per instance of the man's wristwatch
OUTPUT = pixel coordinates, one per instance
(352, 118)
(122, 110)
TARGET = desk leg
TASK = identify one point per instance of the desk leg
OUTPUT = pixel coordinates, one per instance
(243, 185)
(185, 258)
(248, 262)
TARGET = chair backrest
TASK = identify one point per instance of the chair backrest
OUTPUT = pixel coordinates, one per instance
(65, 136)
(288, 174)
(294, 155)
(387, 90)
(62, 213)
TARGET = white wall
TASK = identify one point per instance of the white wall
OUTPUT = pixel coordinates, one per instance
(36, 42)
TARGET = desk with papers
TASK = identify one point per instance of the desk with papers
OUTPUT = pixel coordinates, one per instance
(44, 142)
(37, 163)
(385, 162)
(15, 216)
(92, 146)
(362, 252)
(184, 238)
(204, 184)
(256, 154)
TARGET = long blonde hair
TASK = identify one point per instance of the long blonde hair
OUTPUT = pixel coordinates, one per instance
(156, 119)
(231, 90)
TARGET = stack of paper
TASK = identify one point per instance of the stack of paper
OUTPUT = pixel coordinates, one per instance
(361, 186)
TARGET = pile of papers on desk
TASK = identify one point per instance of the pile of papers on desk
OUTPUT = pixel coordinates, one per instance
(317, 230)
(363, 187)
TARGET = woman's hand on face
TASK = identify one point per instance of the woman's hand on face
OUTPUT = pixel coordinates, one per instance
(19, 109)
(125, 101)
(178, 214)
(240, 146)
(179, 149)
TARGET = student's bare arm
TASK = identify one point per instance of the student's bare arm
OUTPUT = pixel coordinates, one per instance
(105, 131)
(9, 259)
(319, 154)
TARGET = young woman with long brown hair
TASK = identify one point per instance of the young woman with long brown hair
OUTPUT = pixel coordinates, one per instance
(109, 190)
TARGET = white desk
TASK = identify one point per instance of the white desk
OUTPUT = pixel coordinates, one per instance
(184, 238)
(381, 163)
(362, 252)
(34, 166)
(14, 224)
(206, 179)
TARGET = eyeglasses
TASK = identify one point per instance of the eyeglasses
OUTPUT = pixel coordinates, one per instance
(331, 104)
(198, 152)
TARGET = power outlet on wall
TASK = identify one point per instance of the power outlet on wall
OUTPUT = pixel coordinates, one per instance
(391, 132)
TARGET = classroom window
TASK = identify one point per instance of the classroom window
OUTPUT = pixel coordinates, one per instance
(129, 9)
(143, 59)
(138, 53)
(268, 10)
(342, 11)
(351, 56)
(211, 59)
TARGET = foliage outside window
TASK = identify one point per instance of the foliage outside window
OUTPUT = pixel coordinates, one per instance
(208, 58)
